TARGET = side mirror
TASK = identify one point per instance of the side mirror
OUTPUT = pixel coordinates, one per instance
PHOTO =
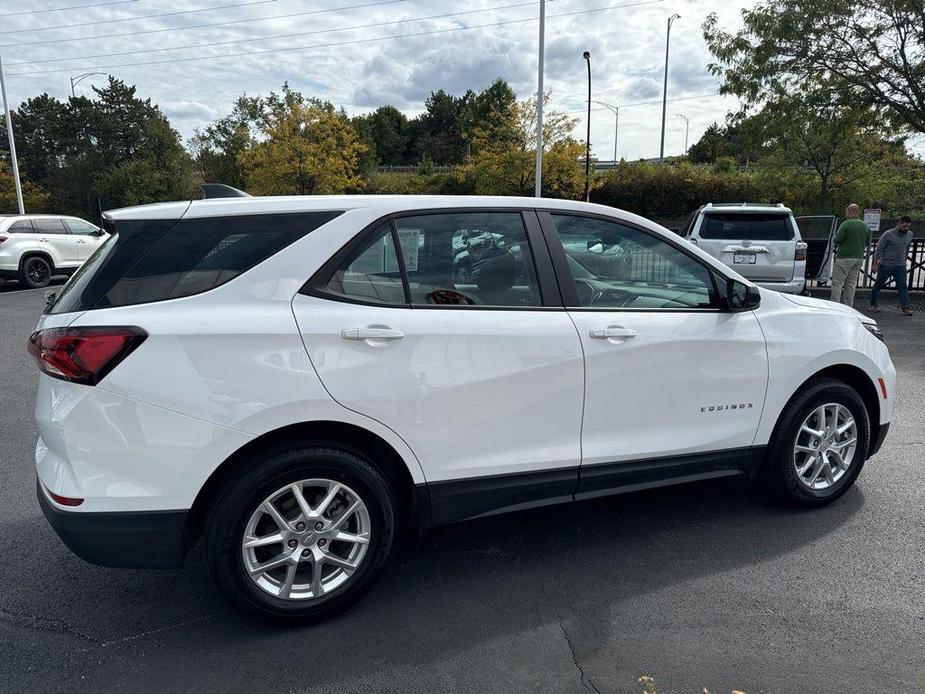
(98, 232)
(741, 296)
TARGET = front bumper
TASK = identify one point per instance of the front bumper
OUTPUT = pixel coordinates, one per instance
(123, 539)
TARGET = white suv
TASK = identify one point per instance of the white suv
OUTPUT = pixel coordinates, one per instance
(297, 379)
(35, 247)
(760, 242)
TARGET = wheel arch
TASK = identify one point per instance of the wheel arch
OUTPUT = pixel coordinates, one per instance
(413, 506)
(858, 379)
(44, 255)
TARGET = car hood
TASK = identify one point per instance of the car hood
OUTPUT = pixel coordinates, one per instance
(826, 305)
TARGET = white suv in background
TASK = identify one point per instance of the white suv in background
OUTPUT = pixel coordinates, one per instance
(297, 379)
(760, 242)
(36, 247)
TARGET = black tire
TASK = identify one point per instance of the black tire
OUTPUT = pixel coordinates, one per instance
(35, 272)
(779, 472)
(272, 470)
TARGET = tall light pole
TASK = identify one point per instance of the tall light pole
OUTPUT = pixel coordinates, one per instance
(9, 133)
(661, 149)
(77, 80)
(587, 56)
(538, 177)
(616, 124)
(687, 129)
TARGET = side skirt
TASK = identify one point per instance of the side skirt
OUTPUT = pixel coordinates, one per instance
(457, 500)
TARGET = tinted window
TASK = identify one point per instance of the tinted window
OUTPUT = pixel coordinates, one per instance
(751, 227)
(21, 226)
(79, 226)
(164, 259)
(616, 266)
(468, 258)
(370, 272)
(49, 226)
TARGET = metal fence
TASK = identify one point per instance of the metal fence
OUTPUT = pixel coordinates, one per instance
(915, 263)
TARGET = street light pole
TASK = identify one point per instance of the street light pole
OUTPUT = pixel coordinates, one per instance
(538, 177)
(587, 57)
(687, 128)
(616, 124)
(77, 80)
(661, 149)
(9, 133)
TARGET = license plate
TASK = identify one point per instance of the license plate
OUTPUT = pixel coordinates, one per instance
(744, 258)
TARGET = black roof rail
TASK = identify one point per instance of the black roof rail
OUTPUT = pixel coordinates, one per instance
(220, 190)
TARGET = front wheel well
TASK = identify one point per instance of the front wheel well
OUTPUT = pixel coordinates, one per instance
(862, 383)
(336, 434)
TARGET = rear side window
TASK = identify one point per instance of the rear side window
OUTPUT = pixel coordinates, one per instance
(147, 261)
(751, 227)
(48, 226)
(21, 226)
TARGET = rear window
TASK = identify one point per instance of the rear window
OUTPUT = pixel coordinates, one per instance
(751, 227)
(146, 261)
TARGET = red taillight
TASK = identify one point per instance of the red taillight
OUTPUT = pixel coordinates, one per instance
(83, 355)
(800, 252)
(3, 238)
(64, 500)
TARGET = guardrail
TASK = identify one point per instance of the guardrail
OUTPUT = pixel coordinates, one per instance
(915, 263)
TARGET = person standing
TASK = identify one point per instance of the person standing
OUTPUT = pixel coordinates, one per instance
(890, 261)
(851, 242)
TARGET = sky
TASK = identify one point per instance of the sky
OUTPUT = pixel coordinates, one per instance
(361, 54)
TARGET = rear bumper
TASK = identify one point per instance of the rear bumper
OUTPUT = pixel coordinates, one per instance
(126, 539)
(791, 287)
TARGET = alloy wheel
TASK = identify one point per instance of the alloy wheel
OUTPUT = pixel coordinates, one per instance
(306, 539)
(38, 271)
(825, 446)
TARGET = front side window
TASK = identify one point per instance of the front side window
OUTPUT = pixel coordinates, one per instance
(80, 227)
(746, 227)
(617, 266)
(468, 259)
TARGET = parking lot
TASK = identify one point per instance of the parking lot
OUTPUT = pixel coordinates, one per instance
(698, 586)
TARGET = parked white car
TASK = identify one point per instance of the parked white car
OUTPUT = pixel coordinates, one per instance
(760, 242)
(36, 247)
(297, 379)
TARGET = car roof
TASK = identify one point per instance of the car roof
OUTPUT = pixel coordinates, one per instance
(386, 204)
(745, 208)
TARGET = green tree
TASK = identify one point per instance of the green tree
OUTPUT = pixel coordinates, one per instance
(859, 52)
(34, 198)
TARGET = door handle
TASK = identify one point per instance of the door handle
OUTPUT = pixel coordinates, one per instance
(615, 331)
(44, 240)
(360, 334)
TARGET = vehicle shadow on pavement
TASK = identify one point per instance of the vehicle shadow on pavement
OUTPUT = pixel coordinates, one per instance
(573, 570)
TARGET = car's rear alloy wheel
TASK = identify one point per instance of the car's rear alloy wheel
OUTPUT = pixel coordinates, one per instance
(36, 272)
(306, 539)
(825, 446)
(300, 532)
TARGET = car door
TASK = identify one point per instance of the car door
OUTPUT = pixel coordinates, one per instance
(89, 237)
(63, 247)
(673, 383)
(817, 232)
(759, 245)
(484, 379)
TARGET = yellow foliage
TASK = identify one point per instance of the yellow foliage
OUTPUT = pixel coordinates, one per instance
(34, 198)
(307, 150)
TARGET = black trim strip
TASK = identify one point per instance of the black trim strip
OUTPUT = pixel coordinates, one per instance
(474, 497)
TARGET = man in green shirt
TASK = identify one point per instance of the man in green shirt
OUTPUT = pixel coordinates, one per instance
(851, 242)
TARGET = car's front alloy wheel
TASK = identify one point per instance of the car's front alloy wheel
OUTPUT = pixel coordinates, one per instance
(819, 445)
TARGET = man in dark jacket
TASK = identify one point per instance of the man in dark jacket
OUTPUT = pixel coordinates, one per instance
(890, 261)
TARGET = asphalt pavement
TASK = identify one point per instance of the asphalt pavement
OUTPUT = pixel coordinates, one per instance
(698, 586)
